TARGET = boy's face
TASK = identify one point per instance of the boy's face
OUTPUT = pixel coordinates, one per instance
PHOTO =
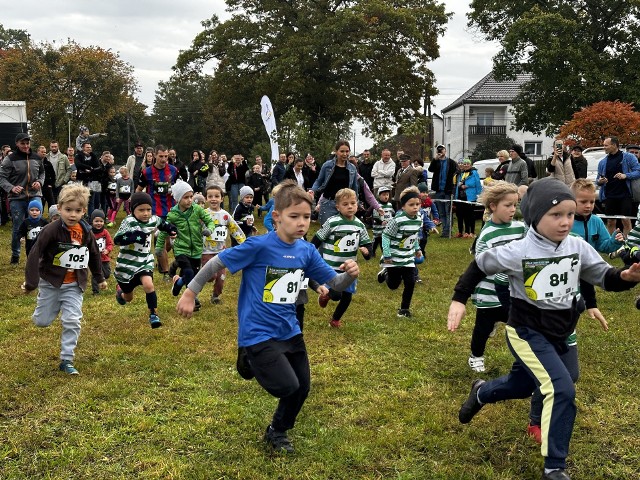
(186, 201)
(412, 207)
(292, 222)
(557, 222)
(384, 197)
(586, 201)
(214, 198)
(247, 199)
(347, 206)
(73, 175)
(112, 172)
(142, 212)
(98, 223)
(256, 169)
(34, 212)
(71, 212)
(424, 195)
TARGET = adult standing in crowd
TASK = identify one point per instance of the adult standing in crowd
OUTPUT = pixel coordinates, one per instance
(559, 164)
(49, 179)
(311, 169)
(468, 187)
(102, 176)
(279, 169)
(266, 179)
(237, 171)
(4, 204)
(61, 168)
(22, 177)
(518, 172)
(183, 173)
(383, 171)
(578, 162)
(87, 164)
(406, 176)
(217, 172)
(531, 167)
(296, 172)
(71, 155)
(198, 171)
(365, 168)
(135, 162)
(336, 173)
(443, 170)
(615, 173)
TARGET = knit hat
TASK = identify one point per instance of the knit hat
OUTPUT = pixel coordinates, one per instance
(53, 211)
(179, 188)
(423, 187)
(36, 203)
(244, 191)
(199, 199)
(517, 148)
(542, 196)
(139, 198)
(97, 213)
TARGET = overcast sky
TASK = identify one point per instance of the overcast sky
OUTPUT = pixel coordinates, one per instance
(149, 35)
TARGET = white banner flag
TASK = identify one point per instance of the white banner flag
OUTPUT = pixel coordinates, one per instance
(269, 119)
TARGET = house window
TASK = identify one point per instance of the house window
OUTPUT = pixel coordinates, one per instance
(448, 122)
(484, 118)
(533, 148)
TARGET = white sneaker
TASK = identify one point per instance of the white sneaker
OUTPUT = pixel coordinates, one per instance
(476, 363)
(495, 330)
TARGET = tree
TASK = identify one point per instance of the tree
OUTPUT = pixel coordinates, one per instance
(592, 124)
(491, 145)
(577, 52)
(93, 82)
(12, 38)
(333, 60)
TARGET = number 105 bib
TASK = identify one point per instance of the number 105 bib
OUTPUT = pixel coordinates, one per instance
(72, 257)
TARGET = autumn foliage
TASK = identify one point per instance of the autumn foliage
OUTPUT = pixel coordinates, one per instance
(592, 124)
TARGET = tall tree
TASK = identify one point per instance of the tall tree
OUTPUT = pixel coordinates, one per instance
(578, 52)
(12, 38)
(333, 60)
(94, 83)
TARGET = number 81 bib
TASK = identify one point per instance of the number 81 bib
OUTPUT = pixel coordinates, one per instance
(282, 285)
(551, 278)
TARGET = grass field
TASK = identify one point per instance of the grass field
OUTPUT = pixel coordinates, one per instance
(168, 403)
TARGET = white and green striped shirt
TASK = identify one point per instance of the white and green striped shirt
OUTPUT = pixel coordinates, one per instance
(380, 221)
(136, 257)
(341, 239)
(492, 235)
(633, 239)
(402, 233)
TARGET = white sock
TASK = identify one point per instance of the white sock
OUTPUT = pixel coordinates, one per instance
(549, 470)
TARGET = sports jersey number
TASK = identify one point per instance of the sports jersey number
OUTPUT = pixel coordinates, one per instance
(33, 233)
(102, 243)
(407, 243)
(219, 233)
(161, 188)
(72, 257)
(111, 186)
(125, 189)
(348, 243)
(551, 278)
(282, 285)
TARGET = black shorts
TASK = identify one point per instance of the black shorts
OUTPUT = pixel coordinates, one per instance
(619, 206)
(136, 281)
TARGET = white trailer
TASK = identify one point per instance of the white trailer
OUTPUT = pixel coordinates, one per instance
(13, 120)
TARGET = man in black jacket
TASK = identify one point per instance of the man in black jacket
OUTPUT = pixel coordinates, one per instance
(443, 170)
(88, 167)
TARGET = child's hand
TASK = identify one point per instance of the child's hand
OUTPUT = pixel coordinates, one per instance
(186, 304)
(363, 251)
(351, 268)
(381, 212)
(434, 230)
(102, 285)
(456, 313)
(322, 290)
(618, 235)
(418, 254)
(206, 232)
(595, 313)
(632, 274)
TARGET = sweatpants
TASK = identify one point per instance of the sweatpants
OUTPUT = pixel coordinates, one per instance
(397, 275)
(486, 319)
(343, 299)
(538, 364)
(281, 367)
(66, 300)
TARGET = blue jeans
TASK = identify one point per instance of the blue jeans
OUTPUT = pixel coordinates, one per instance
(443, 203)
(19, 210)
(234, 191)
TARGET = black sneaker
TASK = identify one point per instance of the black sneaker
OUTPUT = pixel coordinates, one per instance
(382, 275)
(559, 474)
(14, 260)
(173, 269)
(197, 305)
(278, 441)
(243, 365)
(471, 405)
(638, 303)
(403, 312)
(177, 285)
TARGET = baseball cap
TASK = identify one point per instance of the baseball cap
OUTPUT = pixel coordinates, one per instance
(22, 136)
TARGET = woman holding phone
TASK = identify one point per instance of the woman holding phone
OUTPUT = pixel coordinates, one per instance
(559, 164)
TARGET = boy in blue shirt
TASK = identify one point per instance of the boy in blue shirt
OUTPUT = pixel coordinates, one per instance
(271, 346)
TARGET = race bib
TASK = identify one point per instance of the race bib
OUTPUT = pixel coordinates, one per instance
(125, 189)
(248, 220)
(72, 257)
(219, 233)
(161, 188)
(282, 285)
(33, 233)
(407, 243)
(348, 243)
(102, 243)
(551, 278)
(111, 186)
(387, 215)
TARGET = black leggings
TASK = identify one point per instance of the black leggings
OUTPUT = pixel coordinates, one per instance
(282, 369)
(485, 321)
(188, 268)
(343, 299)
(397, 275)
(377, 242)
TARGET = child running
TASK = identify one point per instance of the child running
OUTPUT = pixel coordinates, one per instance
(134, 265)
(243, 213)
(380, 221)
(58, 266)
(223, 225)
(340, 239)
(32, 225)
(111, 186)
(124, 188)
(544, 270)
(500, 198)
(271, 345)
(105, 245)
(188, 219)
(400, 248)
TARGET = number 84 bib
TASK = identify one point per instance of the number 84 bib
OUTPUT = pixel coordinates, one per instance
(551, 278)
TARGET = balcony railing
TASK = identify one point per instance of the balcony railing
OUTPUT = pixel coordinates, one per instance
(487, 130)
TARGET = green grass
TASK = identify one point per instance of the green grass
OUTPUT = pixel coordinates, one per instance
(168, 403)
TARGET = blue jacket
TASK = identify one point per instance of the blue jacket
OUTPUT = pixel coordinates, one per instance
(326, 171)
(593, 230)
(472, 182)
(630, 167)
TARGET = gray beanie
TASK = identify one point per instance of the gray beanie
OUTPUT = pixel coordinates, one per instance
(542, 196)
(97, 213)
(53, 210)
(244, 191)
(179, 188)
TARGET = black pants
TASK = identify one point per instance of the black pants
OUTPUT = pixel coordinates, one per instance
(377, 242)
(397, 275)
(106, 273)
(282, 369)
(343, 299)
(466, 221)
(485, 321)
(188, 267)
(48, 198)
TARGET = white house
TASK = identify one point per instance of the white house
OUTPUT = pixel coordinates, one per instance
(484, 110)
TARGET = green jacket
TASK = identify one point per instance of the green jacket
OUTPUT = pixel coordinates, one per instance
(189, 225)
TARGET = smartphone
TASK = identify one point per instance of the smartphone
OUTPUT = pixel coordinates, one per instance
(558, 145)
